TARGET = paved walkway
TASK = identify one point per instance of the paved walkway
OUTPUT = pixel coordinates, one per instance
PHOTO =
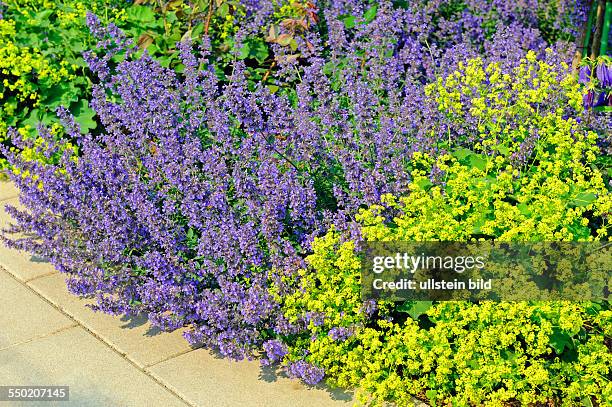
(49, 337)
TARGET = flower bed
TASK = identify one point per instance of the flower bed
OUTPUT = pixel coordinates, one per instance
(230, 193)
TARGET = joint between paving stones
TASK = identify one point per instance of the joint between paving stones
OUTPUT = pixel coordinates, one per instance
(76, 323)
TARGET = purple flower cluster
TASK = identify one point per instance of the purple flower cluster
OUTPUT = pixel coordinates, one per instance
(309, 373)
(274, 350)
(200, 194)
(338, 333)
(604, 74)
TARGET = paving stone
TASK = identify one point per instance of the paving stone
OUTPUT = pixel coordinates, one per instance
(8, 190)
(203, 379)
(97, 376)
(24, 315)
(22, 265)
(134, 337)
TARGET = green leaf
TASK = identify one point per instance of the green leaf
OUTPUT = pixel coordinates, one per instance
(478, 161)
(524, 209)
(462, 153)
(480, 222)
(84, 116)
(293, 45)
(37, 117)
(140, 13)
(260, 52)
(503, 150)
(579, 231)
(328, 68)
(424, 183)
(584, 199)
(245, 51)
(63, 94)
(603, 109)
(223, 10)
(197, 30)
(431, 396)
(77, 46)
(586, 402)
(593, 308)
(254, 48)
(370, 14)
(42, 18)
(349, 22)
(415, 308)
(559, 340)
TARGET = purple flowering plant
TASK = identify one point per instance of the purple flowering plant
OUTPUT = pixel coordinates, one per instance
(596, 76)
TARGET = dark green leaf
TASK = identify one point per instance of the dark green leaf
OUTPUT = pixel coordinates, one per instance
(559, 340)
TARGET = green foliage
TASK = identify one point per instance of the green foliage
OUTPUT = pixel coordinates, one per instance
(41, 63)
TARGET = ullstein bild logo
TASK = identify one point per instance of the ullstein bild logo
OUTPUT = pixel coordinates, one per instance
(486, 271)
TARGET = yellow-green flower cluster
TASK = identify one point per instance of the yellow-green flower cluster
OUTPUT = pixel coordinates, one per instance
(21, 68)
(492, 354)
(504, 106)
(550, 201)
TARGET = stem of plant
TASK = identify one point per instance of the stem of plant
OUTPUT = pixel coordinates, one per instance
(601, 7)
(209, 16)
(585, 37)
(605, 34)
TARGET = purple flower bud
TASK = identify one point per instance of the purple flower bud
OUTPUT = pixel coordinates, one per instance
(601, 99)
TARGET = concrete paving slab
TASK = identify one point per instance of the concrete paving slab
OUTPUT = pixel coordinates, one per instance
(97, 376)
(22, 265)
(24, 315)
(203, 379)
(134, 337)
(8, 190)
